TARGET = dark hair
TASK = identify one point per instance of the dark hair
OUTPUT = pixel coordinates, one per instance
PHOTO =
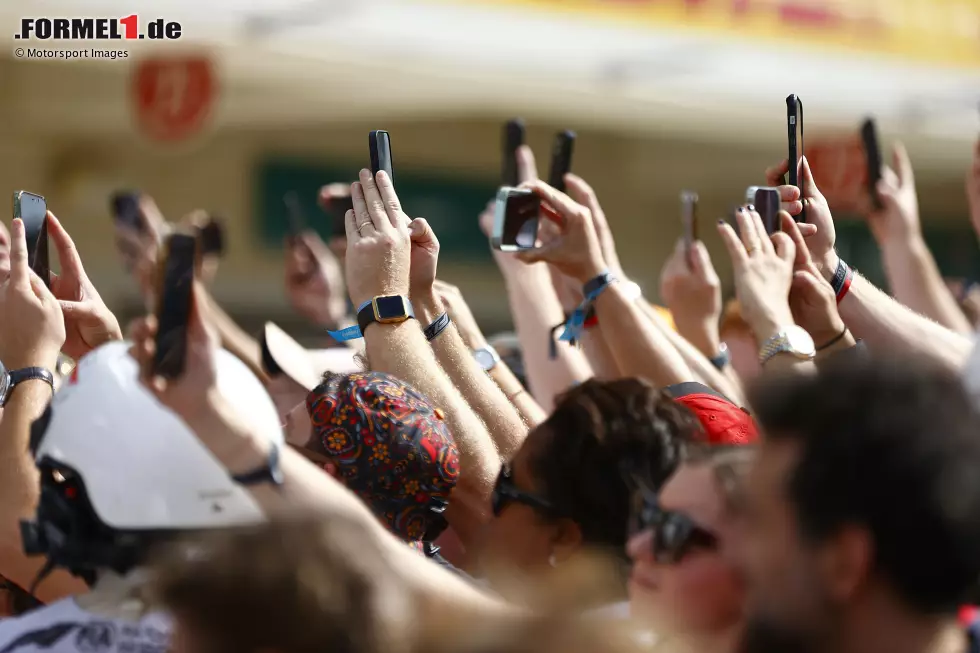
(595, 427)
(284, 585)
(892, 445)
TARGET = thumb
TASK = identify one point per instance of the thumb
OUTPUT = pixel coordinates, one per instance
(700, 259)
(422, 234)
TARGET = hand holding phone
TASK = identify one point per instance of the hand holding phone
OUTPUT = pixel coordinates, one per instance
(561, 159)
(513, 139)
(174, 302)
(125, 207)
(794, 127)
(335, 200)
(33, 211)
(379, 142)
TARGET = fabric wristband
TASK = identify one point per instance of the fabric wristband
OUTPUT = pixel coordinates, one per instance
(352, 332)
(841, 282)
(437, 327)
(591, 291)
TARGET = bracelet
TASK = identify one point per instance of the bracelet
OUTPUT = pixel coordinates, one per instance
(722, 359)
(437, 327)
(841, 282)
(833, 341)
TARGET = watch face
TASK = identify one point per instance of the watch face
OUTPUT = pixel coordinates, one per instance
(390, 308)
(800, 341)
(484, 358)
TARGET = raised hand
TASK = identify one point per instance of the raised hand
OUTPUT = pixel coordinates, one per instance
(314, 281)
(818, 231)
(32, 330)
(425, 258)
(692, 291)
(763, 272)
(88, 321)
(897, 221)
(575, 250)
(461, 315)
(378, 240)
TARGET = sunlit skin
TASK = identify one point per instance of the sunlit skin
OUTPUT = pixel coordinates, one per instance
(4, 252)
(700, 597)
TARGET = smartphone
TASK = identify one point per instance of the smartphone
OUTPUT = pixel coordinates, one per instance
(689, 216)
(872, 154)
(33, 210)
(380, 144)
(269, 363)
(765, 199)
(337, 210)
(211, 237)
(294, 213)
(513, 139)
(561, 159)
(515, 221)
(174, 298)
(125, 207)
(794, 129)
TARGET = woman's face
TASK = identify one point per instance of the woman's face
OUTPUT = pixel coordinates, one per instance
(701, 592)
(520, 535)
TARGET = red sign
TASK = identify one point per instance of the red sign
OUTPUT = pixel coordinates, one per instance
(840, 169)
(173, 96)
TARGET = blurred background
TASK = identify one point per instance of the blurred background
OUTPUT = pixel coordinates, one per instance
(260, 97)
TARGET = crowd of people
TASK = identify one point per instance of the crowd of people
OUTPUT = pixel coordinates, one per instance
(796, 470)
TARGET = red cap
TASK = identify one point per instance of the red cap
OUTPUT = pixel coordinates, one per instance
(724, 423)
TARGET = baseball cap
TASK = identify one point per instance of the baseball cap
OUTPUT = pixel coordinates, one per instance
(281, 354)
(391, 447)
(724, 423)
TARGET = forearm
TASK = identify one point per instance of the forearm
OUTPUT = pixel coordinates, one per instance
(536, 310)
(524, 403)
(702, 369)
(402, 351)
(886, 325)
(915, 281)
(639, 347)
(503, 422)
(233, 338)
(20, 490)
(599, 355)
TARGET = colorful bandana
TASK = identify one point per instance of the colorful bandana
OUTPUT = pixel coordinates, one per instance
(392, 448)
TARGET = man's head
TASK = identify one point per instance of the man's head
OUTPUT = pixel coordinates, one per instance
(390, 446)
(865, 497)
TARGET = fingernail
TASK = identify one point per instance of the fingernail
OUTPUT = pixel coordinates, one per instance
(382, 175)
(721, 220)
(365, 173)
(750, 207)
(741, 209)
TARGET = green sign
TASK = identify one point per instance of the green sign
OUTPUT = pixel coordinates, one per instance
(451, 204)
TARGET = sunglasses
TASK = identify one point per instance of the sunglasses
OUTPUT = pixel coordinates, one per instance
(675, 534)
(505, 493)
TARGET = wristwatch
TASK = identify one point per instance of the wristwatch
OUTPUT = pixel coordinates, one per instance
(487, 357)
(9, 380)
(386, 309)
(792, 340)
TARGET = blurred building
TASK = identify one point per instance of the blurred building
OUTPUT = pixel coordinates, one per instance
(258, 98)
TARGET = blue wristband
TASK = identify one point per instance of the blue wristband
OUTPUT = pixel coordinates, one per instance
(576, 322)
(352, 332)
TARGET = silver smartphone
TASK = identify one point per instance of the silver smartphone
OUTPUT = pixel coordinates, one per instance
(515, 221)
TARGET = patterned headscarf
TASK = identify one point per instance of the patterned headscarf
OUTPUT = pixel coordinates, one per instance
(392, 448)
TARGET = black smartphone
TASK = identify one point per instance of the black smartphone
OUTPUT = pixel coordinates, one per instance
(294, 213)
(125, 207)
(516, 219)
(211, 237)
(766, 202)
(794, 133)
(513, 139)
(689, 218)
(174, 298)
(872, 154)
(380, 145)
(33, 211)
(561, 159)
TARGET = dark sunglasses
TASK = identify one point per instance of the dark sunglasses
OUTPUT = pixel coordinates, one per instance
(505, 493)
(674, 533)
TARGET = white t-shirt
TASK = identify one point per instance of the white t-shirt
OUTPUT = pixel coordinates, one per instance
(64, 627)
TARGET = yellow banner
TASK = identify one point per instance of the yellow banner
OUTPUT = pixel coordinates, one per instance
(928, 31)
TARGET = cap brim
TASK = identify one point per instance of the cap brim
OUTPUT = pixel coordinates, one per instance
(303, 366)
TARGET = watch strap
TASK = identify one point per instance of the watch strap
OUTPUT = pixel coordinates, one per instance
(437, 327)
(365, 315)
(723, 357)
(29, 374)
